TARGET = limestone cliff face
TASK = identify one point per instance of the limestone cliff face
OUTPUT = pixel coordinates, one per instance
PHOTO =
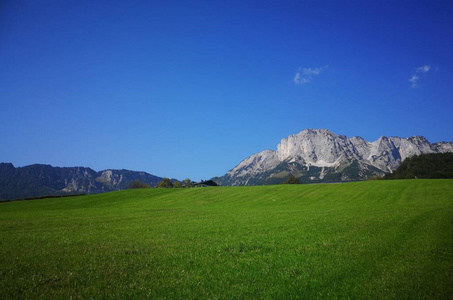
(316, 155)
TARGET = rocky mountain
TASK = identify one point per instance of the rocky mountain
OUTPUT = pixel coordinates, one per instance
(44, 180)
(318, 155)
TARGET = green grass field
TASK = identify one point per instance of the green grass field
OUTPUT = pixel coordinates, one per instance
(376, 239)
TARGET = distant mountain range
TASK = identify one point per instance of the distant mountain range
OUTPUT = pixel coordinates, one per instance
(318, 155)
(313, 155)
(45, 180)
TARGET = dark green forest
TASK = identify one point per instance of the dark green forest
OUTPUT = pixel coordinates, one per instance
(434, 165)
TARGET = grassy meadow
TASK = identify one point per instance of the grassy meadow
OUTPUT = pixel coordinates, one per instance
(361, 240)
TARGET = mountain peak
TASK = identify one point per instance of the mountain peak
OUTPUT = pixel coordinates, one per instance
(316, 131)
(319, 155)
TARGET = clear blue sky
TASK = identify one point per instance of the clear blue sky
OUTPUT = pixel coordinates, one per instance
(190, 88)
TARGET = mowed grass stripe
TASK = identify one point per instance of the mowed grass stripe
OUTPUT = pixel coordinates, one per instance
(362, 240)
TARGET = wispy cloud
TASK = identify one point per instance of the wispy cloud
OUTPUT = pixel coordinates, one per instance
(305, 75)
(423, 69)
(312, 71)
(298, 79)
(414, 79)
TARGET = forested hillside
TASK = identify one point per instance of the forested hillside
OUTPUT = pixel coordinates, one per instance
(434, 165)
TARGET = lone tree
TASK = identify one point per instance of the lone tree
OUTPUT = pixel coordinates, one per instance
(137, 184)
(291, 180)
(187, 183)
(165, 183)
(177, 184)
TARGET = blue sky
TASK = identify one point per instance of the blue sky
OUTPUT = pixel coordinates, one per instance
(190, 88)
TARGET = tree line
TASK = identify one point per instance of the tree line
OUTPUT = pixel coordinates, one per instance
(164, 183)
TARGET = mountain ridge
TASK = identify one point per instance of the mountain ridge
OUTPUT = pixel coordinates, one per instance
(38, 180)
(319, 155)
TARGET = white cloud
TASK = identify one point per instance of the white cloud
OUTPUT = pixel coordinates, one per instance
(305, 75)
(413, 81)
(423, 69)
(311, 71)
(420, 70)
(298, 79)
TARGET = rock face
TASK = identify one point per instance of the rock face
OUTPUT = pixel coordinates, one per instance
(44, 180)
(318, 155)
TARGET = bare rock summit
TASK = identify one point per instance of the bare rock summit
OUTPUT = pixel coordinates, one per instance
(319, 155)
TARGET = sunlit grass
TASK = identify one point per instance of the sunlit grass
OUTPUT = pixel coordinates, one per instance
(378, 239)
